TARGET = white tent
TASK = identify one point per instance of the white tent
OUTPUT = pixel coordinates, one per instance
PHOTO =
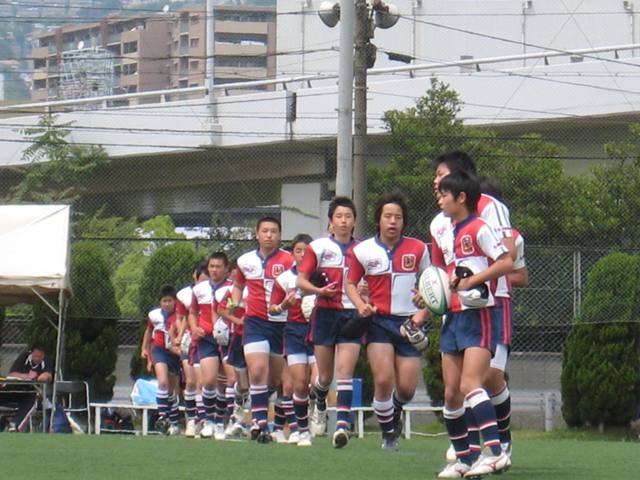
(34, 260)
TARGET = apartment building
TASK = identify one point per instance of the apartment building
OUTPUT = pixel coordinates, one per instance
(244, 49)
(155, 52)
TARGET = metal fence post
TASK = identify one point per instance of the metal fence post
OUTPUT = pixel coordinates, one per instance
(577, 283)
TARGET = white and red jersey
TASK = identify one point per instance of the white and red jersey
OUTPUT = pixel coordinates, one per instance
(259, 274)
(161, 323)
(497, 216)
(519, 239)
(390, 273)
(237, 312)
(475, 246)
(285, 283)
(328, 256)
(183, 301)
(202, 303)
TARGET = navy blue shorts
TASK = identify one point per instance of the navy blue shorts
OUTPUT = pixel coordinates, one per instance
(295, 339)
(327, 324)
(259, 330)
(207, 348)
(469, 328)
(235, 353)
(386, 329)
(502, 315)
(162, 355)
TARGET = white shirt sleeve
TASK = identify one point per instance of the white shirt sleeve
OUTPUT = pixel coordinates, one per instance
(489, 242)
(496, 214)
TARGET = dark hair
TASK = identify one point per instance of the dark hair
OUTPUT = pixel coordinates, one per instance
(218, 256)
(341, 202)
(459, 182)
(167, 291)
(233, 263)
(37, 346)
(301, 237)
(200, 268)
(392, 197)
(268, 220)
(491, 186)
(456, 161)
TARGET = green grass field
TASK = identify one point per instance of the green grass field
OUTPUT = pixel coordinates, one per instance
(116, 457)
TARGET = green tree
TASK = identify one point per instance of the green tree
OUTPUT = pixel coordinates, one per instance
(529, 168)
(90, 349)
(55, 170)
(169, 264)
(129, 272)
(600, 374)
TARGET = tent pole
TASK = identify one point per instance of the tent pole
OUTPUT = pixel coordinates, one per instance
(59, 355)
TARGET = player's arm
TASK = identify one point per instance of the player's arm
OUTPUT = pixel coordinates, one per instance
(196, 330)
(356, 272)
(309, 266)
(145, 347)
(519, 277)
(280, 299)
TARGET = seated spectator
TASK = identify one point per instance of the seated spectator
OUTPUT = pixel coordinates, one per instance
(31, 365)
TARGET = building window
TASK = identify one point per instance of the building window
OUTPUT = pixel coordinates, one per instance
(195, 19)
(194, 42)
(244, 62)
(39, 63)
(40, 84)
(129, 69)
(195, 65)
(132, 89)
(183, 83)
(130, 47)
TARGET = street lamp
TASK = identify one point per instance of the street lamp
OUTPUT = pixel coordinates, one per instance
(356, 31)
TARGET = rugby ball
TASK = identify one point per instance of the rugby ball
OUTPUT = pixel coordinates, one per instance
(433, 286)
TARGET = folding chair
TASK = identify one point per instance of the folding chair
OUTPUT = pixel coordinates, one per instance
(75, 398)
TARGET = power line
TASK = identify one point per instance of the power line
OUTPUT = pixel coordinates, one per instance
(516, 42)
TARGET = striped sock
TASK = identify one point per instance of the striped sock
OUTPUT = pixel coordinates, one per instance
(384, 412)
(259, 405)
(301, 408)
(343, 403)
(398, 405)
(209, 402)
(474, 434)
(289, 413)
(456, 425)
(162, 399)
(502, 403)
(320, 392)
(279, 416)
(202, 412)
(485, 415)
(230, 393)
(221, 399)
(190, 408)
(174, 409)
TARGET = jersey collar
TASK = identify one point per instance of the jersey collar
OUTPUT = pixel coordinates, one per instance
(391, 251)
(343, 246)
(466, 221)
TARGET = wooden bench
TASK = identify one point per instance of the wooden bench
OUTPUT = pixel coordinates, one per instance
(359, 411)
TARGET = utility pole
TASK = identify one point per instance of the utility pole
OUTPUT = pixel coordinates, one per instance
(344, 165)
(209, 71)
(362, 36)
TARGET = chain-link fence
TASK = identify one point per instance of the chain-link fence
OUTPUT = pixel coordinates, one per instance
(208, 199)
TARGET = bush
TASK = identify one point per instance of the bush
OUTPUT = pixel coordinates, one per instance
(600, 379)
(432, 371)
(170, 264)
(90, 350)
